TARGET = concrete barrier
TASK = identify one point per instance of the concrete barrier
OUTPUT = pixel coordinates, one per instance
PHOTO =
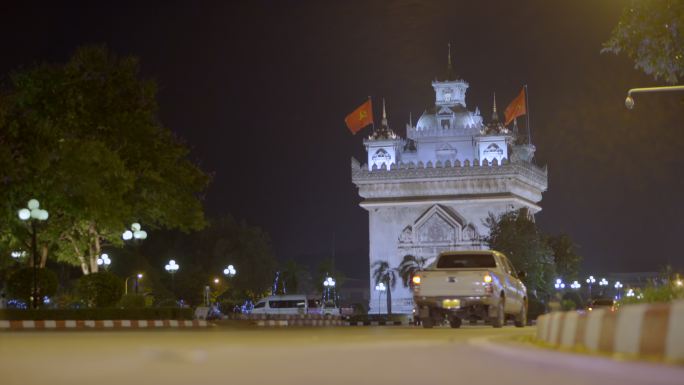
(655, 330)
(100, 324)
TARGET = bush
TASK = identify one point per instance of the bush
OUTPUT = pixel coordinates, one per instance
(100, 289)
(568, 304)
(653, 294)
(98, 314)
(20, 284)
(131, 301)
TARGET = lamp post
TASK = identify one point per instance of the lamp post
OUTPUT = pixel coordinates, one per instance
(328, 284)
(618, 286)
(230, 271)
(629, 101)
(135, 233)
(138, 277)
(590, 281)
(575, 285)
(380, 288)
(172, 267)
(559, 285)
(32, 214)
(104, 261)
(603, 282)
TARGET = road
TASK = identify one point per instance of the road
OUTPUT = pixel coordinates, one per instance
(330, 356)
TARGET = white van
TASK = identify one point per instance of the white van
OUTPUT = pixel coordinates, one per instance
(291, 304)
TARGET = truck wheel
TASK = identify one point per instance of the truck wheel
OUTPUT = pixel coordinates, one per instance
(455, 322)
(427, 322)
(521, 319)
(500, 318)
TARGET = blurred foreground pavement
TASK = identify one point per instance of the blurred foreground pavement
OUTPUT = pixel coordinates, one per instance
(329, 356)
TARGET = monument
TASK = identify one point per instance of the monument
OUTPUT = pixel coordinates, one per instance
(432, 191)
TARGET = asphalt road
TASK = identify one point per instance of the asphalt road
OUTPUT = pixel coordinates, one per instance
(344, 355)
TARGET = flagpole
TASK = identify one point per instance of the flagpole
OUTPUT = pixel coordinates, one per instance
(372, 115)
(527, 112)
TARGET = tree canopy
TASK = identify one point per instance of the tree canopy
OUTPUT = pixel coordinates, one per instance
(515, 234)
(84, 139)
(651, 33)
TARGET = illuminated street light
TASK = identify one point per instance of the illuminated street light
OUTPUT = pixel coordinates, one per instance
(137, 277)
(630, 293)
(329, 284)
(575, 285)
(618, 286)
(216, 281)
(104, 261)
(229, 271)
(590, 282)
(603, 282)
(18, 254)
(172, 267)
(33, 213)
(380, 288)
(136, 232)
(559, 284)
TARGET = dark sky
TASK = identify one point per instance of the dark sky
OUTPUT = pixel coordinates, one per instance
(260, 89)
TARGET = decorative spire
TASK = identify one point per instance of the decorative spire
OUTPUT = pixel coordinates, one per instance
(495, 116)
(449, 57)
(384, 114)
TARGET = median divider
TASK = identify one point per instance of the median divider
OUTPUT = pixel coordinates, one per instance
(101, 324)
(643, 330)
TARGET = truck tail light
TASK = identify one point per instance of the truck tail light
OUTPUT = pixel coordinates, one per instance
(416, 279)
(487, 278)
(488, 284)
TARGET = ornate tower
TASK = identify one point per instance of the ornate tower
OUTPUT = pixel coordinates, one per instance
(431, 191)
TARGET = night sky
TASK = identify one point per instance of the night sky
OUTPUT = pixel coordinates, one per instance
(259, 90)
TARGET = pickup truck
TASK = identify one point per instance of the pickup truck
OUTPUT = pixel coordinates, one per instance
(470, 285)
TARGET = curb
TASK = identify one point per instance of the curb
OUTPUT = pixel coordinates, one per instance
(298, 322)
(377, 323)
(100, 324)
(643, 329)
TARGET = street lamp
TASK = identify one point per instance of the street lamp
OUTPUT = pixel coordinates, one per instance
(630, 293)
(618, 286)
(380, 288)
(104, 261)
(629, 101)
(229, 271)
(559, 284)
(329, 283)
(575, 285)
(136, 232)
(32, 214)
(138, 277)
(590, 281)
(172, 267)
(18, 254)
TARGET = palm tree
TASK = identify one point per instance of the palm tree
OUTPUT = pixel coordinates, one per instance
(408, 267)
(387, 275)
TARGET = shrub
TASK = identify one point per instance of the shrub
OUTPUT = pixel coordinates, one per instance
(20, 284)
(653, 294)
(100, 289)
(130, 301)
(568, 304)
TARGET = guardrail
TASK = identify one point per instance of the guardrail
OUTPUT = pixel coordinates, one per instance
(651, 330)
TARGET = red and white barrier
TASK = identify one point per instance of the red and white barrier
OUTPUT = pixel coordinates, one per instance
(644, 329)
(300, 322)
(100, 324)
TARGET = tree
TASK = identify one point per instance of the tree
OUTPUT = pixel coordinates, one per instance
(515, 234)
(651, 34)
(100, 289)
(565, 256)
(292, 274)
(409, 266)
(20, 284)
(388, 276)
(84, 139)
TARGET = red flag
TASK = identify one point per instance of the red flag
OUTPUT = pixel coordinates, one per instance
(516, 108)
(360, 118)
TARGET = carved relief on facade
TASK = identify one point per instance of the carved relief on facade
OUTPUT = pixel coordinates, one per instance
(436, 230)
(406, 235)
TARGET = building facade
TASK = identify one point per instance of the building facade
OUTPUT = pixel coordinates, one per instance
(431, 191)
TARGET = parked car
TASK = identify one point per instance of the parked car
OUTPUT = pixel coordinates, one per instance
(602, 303)
(469, 285)
(291, 304)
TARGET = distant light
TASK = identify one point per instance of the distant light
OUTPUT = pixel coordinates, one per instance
(172, 266)
(380, 287)
(591, 279)
(416, 279)
(140, 275)
(630, 293)
(127, 235)
(575, 285)
(135, 226)
(33, 204)
(487, 278)
(216, 280)
(679, 282)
